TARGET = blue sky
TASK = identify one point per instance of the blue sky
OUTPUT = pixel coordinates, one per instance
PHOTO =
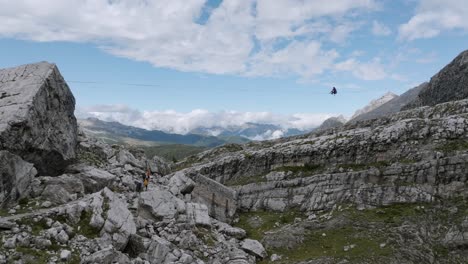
(174, 65)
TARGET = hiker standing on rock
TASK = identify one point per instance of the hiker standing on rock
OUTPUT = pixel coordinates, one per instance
(146, 179)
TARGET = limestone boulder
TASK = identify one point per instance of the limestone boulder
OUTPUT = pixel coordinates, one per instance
(254, 247)
(198, 214)
(160, 204)
(37, 119)
(181, 184)
(56, 194)
(159, 165)
(93, 179)
(158, 250)
(119, 223)
(15, 177)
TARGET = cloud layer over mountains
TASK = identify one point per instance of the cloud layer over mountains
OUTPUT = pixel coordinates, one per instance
(183, 123)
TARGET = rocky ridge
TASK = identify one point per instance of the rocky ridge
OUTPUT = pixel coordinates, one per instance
(449, 84)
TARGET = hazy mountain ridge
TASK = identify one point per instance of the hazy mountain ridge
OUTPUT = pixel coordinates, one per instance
(374, 104)
(252, 131)
(393, 106)
(120, 132)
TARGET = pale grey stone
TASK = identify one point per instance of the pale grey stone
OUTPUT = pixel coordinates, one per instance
(36, 116)
(16, 177)
(254, 247)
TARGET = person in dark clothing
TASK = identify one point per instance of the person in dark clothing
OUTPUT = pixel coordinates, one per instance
(138, 185)
(334, 91)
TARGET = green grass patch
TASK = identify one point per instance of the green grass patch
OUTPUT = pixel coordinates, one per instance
(90, 158)
(453, 145)
(205, 235)
(246, 180)
(36, 227)
(23, 201)
(297, 171)
(33, 256)
(172, 152)
(307, 168)
(266, 221)
(84, 228)
(232, 147)
(366, 166)
(407, 161)
(393, 214)
(366, 246)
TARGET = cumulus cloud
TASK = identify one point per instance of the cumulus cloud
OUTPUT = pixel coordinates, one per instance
(373, 70)
(182, 123)
(380, 29)
(434, 16)
(237, 37)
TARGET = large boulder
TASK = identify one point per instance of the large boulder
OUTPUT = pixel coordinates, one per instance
(37, 119)
(111, 216)
(159, 204)
(119, 223)
(15, 177)
(93, 179)
(198, 214)
(254, 247)
(181, 184)
(159, 166)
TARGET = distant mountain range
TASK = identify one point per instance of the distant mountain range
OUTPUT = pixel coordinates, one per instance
(115, 132)
(252, 131)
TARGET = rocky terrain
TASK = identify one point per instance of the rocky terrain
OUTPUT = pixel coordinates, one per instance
(386, 190)
(70, 198)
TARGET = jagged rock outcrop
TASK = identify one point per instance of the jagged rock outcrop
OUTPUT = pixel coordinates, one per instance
(393, 106)
(450, 84)
(36, 116)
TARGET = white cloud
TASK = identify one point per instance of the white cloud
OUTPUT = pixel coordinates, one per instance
(380, 29)
(433, 17)
(372, 70)
(341, 32)
(182, 123)
(306, 59)
(239, 37)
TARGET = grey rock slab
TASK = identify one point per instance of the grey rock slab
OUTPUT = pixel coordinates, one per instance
(231, 231)
(180, 184)
(10, 243)
(158, 250)
(56, 194)
(106, 256)
(16, 176)
(65, 255)
(37, 119)
(254, 247)
(6, 225)
(159, 204)
(198, 214)
(119, 220)
(93, 179)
